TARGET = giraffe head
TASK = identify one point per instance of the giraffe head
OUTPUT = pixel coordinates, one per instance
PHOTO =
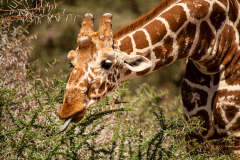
(98, 68)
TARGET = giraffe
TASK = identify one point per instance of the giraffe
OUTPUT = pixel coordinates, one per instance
(205, 32)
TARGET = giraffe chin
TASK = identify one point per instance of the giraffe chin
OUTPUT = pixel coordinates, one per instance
(75, 118)
(66, 124)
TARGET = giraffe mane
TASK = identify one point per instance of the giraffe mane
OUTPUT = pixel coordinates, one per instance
(138, 23)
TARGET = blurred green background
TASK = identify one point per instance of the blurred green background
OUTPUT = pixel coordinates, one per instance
(56, 39)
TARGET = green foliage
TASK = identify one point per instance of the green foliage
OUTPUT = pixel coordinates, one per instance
(109, 130)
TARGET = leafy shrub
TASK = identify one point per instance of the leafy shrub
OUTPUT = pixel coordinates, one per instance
(110, 130)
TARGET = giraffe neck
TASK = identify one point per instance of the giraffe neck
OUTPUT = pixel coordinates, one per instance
(185, 29)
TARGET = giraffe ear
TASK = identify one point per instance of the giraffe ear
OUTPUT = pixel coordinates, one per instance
(137, 63)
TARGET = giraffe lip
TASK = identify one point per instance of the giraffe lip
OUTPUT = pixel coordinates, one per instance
(66, 124)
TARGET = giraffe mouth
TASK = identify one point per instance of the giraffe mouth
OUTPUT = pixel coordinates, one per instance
(66, 124)
(74, 118)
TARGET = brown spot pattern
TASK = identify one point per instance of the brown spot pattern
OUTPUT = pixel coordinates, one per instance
(118, 76)
(143, 72)
(156, 30)
(111, 88)
(195, 76)
(226, 50)
(192, 97)
(108, 85)
(218, 15)
(185, 40)
(92, 89)
(238, 28)
(113, 78)
(205, 41)
(90, 76)
(140, 40)
(237, 143)
(233, 10)
(218, 119)
(146, 54)
(222, 101)
(230, 112)
(198, 8)
(234, 78)
(163, 52)
(160, 63)
(216, 79)
(102, 87)
(175, 17)
(136, 24)
(126, 45)
(232, 72)
(109, 77)
(76, 74)
(93, 71)
(127, 72)
(97, 99)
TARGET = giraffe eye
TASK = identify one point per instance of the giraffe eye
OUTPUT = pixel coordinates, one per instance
(71, 65)
(107, 64)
